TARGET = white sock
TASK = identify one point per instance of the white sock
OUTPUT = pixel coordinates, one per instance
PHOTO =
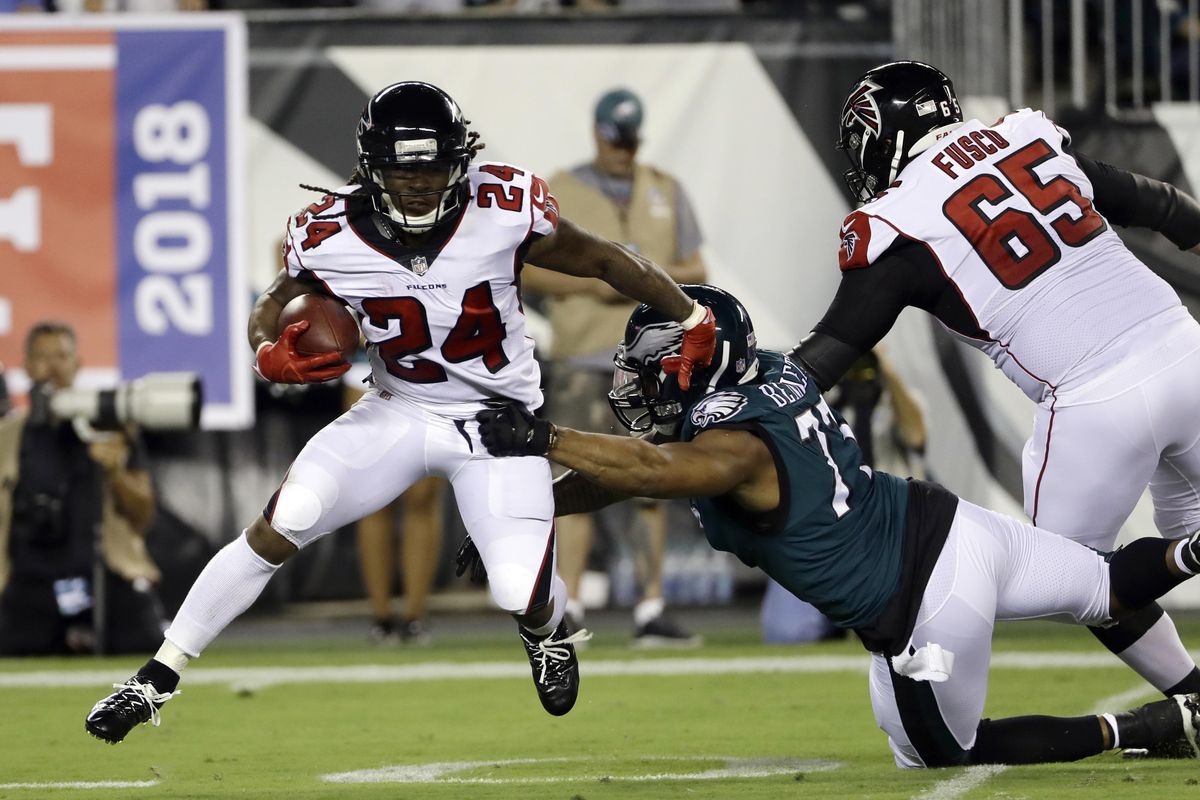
(229, 584)
(1112, 726)
(647, 610)
(558, 597)
(170, 655)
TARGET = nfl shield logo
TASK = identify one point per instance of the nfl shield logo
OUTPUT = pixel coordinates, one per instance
(419, 265)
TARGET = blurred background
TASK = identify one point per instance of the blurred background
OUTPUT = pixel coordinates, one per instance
(151, 151)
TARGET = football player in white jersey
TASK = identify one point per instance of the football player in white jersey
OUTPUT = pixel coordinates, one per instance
(1003, 232)
(428, 249)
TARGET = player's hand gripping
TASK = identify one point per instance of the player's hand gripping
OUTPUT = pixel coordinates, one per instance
(281, 362)
(513, 430)
(699, 344)
(468, 560)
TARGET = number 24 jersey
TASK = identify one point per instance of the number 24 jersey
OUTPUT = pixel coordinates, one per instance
(443, 325)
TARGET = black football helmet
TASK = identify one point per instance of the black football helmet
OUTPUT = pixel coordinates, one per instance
(414, 125)
(644, 396)
(887, 118)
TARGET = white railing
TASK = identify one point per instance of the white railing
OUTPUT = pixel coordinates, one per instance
(988, 48)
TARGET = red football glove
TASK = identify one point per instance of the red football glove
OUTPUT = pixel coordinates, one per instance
(281, 362)
(699, 344)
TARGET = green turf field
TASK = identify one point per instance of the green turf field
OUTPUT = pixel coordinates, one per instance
(276, 720)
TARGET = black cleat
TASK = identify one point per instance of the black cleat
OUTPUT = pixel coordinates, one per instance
(1176, 745)
(555, 667)
(135, 702)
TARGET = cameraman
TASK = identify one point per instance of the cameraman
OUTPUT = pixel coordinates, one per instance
(57, 492)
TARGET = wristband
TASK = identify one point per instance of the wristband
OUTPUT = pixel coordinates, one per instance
(553, 438)
(694, 318)
(261, 345)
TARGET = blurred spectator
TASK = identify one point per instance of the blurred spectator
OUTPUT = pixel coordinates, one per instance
(646, 210)
(420, 545)
(5, 402)
(889, 426)
(59, 493)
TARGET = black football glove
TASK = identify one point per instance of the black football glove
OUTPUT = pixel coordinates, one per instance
(513, 430)
(468, 558)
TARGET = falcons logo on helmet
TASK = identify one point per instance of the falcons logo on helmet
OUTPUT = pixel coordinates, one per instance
(654, 342)
(861, 106)
(717, 407)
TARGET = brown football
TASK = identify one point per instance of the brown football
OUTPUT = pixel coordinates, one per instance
(331, 325)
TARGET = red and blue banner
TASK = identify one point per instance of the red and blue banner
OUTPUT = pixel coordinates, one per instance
(120, 198)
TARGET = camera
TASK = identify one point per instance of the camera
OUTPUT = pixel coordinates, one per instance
(159, 401)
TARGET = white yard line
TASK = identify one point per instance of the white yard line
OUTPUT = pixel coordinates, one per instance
(260, 677)
(957, 787)
(82, 785)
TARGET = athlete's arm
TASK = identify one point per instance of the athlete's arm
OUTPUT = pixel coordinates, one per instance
(1133, 200)
(575, 494)
(717, 462)
(279, 360)
(866, 305)
(557, 284)
(573, 250)
(264, 317)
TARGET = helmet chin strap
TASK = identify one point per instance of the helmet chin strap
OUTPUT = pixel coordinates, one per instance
(897, 154)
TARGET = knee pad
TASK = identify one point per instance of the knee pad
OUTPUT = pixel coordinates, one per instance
(511, 586)
(296, 509)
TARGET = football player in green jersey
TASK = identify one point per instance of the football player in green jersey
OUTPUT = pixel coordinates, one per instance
(920, 575)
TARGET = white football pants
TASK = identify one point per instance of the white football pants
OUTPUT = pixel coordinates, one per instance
(1095, 447)
(383, 444)
(991, 567)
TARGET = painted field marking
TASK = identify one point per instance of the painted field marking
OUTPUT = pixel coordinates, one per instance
(958, 786)
(82, 785)
(262, 677)
(443, 771)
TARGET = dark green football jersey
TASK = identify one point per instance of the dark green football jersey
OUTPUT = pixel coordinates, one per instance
(835, 539)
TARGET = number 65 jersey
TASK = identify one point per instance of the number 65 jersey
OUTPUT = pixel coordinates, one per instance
(443, 323)
(1023, 265)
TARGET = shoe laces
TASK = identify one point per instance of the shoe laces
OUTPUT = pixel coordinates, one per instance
(553, 650)
(135, 693)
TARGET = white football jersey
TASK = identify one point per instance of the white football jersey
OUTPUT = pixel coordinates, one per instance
(1008, 216)
(443, 325)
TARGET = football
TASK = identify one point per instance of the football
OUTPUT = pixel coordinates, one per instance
(331, 325)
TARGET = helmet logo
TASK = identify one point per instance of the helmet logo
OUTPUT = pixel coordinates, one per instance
(861, 106)
(717, 407)
(654, 342)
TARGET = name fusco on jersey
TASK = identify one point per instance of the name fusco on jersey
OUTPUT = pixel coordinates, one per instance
(1008, 215)
(442, 326)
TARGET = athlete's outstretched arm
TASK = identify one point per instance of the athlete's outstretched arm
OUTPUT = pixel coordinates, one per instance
(717, 462)
(575, 494)
(573, 250)
(1129, 199)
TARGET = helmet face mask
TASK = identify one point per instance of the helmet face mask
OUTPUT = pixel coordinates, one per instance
(644, 397)
(402, 191)
(893, 113)
(411, 137)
